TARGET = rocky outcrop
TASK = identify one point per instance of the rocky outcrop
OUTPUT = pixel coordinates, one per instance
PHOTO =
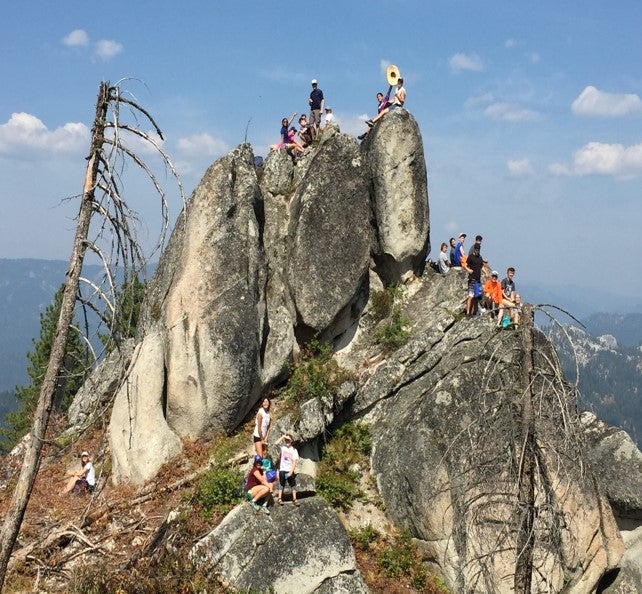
(255, 266)
(98, 391)
(617, 464)
(400, 194)
(446, 412)
(331, 236)
(301, 550)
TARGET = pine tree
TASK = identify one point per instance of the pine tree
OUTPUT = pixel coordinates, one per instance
(70, 379)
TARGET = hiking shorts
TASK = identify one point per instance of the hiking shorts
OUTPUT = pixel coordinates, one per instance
(286, 477)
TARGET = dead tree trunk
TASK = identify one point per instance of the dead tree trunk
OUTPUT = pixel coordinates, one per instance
(31, 462)
(526, 491)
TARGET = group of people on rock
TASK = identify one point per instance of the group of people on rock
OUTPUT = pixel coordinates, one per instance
(295, 141)
(500, 299)
(261, 479)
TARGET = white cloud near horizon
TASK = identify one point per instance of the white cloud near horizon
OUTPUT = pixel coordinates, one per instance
(24, 136)
(519, 167)
(598, 158)
(460, 61)
(510, 112)
(204, 145)
(77, 38)
(483, 99)
(595, 103)
(106, 49)
(510, 43)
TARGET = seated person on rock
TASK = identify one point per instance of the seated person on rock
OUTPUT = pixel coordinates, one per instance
(492, 293)
(508, 295)
(444, 260)
(382, 102)
(257, 488)
(305, 131)
(397, 101)
(84, 480)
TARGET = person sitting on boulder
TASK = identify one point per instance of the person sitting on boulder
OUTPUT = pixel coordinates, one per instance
(305, 131)
(257, 487)
(444, 260)
(508, 295)
(397, 101)
(287, 467)
(84, 480)
(285, 139)
(382, 102)
(492, 293)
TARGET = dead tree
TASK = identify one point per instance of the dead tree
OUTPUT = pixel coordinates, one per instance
(102, 205)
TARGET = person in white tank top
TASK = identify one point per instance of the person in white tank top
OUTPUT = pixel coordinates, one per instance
(262, 428)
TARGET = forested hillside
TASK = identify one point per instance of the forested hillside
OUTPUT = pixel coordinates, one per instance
(610, 377)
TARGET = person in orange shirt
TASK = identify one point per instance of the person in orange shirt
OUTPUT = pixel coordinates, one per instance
(492, 293)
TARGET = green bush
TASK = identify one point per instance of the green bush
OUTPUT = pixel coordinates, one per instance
(382, 303)
(393, 333)
(400, 558)
(337, 483)
(363, 537)
(340, 490)
(314, 374)
(219, 489)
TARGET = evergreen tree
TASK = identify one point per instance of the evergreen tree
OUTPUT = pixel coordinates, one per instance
(71, 377)
(124, 321)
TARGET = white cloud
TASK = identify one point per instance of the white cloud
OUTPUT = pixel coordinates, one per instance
(509, 112)
(106, 49)
(202, 145)
(534, 57)
(510, 43)
(593, 102)
(77, 38)
(461, 61)
(483, 99)
(598, 158)
(519, 167)
(25, 136)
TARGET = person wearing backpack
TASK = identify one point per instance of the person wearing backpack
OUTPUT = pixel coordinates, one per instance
(257, 487)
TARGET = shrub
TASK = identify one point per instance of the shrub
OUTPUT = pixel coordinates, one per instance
(219, 489)
(337, 483)
(315, 374)
(364, 537)
(400, 558)
(392, 333)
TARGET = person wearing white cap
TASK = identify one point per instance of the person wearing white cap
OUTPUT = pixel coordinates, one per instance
(85, 479)
(317, 103)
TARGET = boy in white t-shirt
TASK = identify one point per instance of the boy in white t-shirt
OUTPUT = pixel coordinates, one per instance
(287, 467)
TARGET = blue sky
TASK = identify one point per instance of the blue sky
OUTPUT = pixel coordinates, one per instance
(531, 112)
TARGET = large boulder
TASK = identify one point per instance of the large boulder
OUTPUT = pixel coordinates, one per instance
(394, 153)
(139, 436)
(446, 411)
(330, 231)
(301, 550)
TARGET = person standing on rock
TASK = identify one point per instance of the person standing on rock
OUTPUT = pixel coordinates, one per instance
(473, 266)
(262, 428)
(317, 103)
(287, 467)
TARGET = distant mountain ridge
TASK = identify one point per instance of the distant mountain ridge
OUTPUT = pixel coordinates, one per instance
(27, 287)
(626, 328)
(610, 374)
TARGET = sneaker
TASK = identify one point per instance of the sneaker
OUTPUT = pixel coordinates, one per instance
(370, 123)
(362, 136)
(264, 509)
(296, 504)
(255, 505)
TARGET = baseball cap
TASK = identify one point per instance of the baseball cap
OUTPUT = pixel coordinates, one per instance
(462, 235)
(494, 273)
(313, 81)
(84, 454)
